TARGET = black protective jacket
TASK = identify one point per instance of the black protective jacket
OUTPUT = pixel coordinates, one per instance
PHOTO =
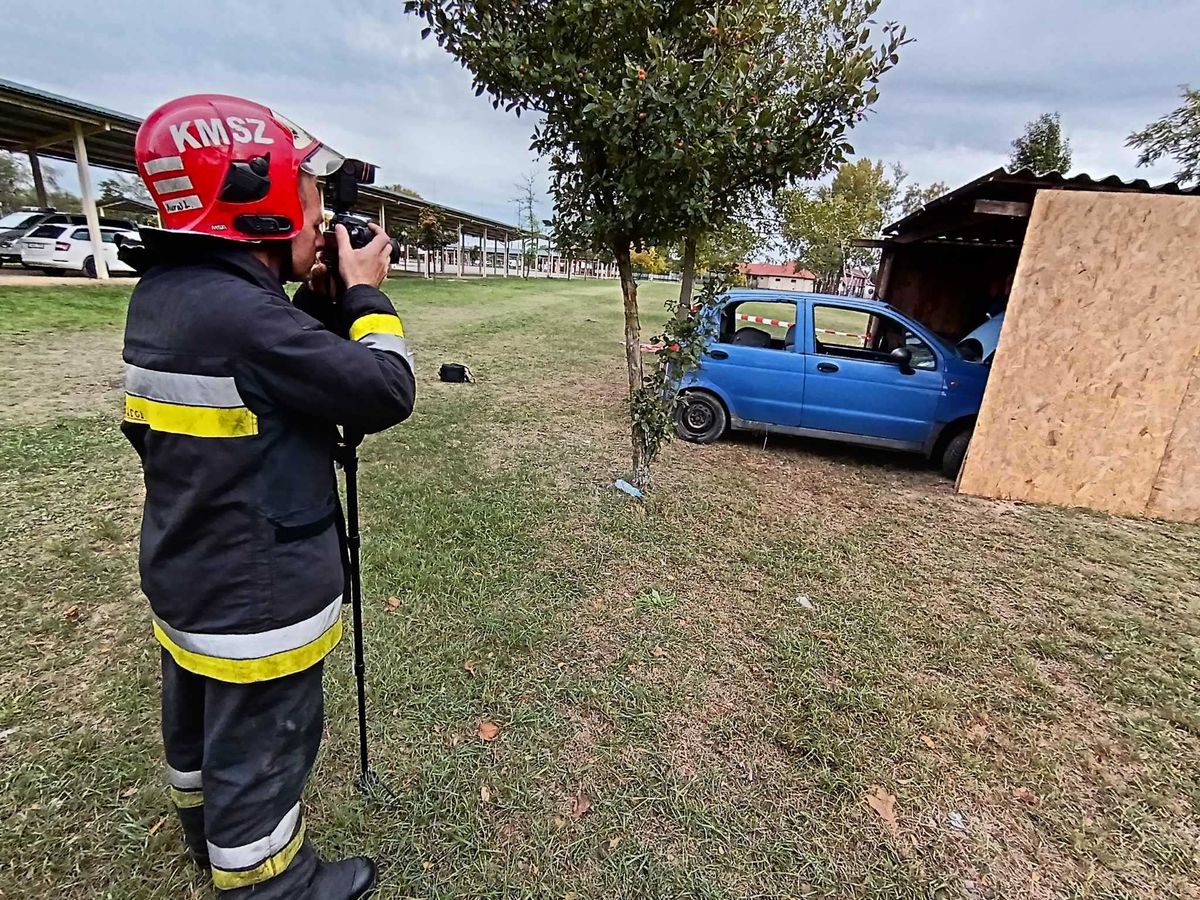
(233, 393)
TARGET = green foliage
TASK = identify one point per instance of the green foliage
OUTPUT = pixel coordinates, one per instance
(1042, 147)
(680, 348)
(722, 249)
(16, 186)
(915, 196)
(119, 184)
(659, 119)
(648, 262)
(820, 223)
(1175, 135)
(431, 232)
(403, 189)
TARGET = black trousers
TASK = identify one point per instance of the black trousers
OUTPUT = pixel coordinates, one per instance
(238, 756)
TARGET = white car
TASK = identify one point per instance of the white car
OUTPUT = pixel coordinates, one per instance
(58, 248)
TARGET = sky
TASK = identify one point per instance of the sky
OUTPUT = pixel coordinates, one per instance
(358, 75)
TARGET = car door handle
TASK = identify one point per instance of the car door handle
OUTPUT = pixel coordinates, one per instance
(826, 367)
(718, 354)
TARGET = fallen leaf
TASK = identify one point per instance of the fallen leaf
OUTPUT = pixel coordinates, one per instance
(489, 731)
(71, 613)
(581, 805)
(157, 825)
(1025, 795)
(659, 651)
(559, 822)
(393, 604)
(614, 843)
(884, 805)
(804, 602)
(129, 791)
(427, 865)
(957, 821)
(485, 796)
(469, 666)
(928, 742)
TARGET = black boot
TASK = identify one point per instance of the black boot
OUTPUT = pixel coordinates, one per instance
(345, 879)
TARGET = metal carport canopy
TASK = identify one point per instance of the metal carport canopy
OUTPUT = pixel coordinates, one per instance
(43, 124)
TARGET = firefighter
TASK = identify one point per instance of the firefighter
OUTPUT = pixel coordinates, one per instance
(233, 398)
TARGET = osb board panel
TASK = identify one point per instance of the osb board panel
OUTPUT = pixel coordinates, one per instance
(1089, 402)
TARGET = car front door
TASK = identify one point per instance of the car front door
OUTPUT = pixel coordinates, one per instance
(753, 363)
(854, 386)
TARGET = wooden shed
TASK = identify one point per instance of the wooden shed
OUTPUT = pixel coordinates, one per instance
(951, 261)
(1094, 394)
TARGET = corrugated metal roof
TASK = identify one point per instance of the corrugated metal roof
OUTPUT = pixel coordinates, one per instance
(1029, 180)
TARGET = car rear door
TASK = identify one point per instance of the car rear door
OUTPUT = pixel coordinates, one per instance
(761, 380)
(853, 387)
(37, 247)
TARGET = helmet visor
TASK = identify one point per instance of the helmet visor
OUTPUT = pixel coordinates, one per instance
(322, 162)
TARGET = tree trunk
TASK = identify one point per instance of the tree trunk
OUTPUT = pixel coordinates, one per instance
(689, 277)
(633, 361)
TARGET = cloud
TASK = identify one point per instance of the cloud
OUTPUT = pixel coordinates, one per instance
(359, 75)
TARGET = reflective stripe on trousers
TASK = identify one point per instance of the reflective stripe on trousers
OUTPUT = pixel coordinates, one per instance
(261, 656)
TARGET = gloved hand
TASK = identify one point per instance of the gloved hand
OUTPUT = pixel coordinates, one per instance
(368, 265)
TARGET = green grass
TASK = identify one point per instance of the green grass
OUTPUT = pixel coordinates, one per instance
(46, 310)
(653, 659)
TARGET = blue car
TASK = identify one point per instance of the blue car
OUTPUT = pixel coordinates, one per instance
(838, 368)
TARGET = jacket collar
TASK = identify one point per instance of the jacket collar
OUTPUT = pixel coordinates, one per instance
(250, 267)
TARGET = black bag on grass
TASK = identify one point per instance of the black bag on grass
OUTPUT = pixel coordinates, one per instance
(456, 373)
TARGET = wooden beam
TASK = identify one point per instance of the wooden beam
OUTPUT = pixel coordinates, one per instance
(1003, 208)
(869, 243)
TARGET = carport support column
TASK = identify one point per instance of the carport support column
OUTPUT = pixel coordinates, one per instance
(89, 203)
(39, 186)
(483, 253)
(506, 254)
(459, 252)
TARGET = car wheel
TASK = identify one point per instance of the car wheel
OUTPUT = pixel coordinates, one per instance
(89, 267)
(955, 452)
(700, 417)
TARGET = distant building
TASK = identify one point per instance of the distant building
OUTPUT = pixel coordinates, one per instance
(856, 283)
(777, 276)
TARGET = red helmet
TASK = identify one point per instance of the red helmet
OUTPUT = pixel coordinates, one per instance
(228, 168)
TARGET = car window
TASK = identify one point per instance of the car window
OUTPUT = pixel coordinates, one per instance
(47, 231)
(856, 334)
(80, 234)
(108, 235)
(19, 220)
(766, 325)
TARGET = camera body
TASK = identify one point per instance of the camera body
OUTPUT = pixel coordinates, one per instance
(341, 193)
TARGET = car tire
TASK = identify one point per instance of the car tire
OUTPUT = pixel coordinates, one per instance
(955, 453)
(700, 417)
(89, 267)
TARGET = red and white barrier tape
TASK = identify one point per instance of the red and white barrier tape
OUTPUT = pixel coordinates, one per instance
(759, 320)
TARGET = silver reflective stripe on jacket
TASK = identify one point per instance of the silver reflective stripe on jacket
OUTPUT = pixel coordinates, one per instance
(260, 644)
(390, 343)
(186, 390)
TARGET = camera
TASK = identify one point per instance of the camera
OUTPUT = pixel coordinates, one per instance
(341, 193)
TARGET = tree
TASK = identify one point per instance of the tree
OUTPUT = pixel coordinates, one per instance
(430, 234)
(130, 187)
(528, 221)
(1042, 147)
(1177, 135)
(653, 110)
(819, 224)
(402, 189)
(915, 196)
(16, 186)
(648, 262)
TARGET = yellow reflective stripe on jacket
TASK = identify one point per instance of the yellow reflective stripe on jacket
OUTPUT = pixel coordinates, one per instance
(186, 799)
(229, 879)
(197, 421)
(376, 323)
(247, 671)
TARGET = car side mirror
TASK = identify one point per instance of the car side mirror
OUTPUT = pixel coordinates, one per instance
(902, 357)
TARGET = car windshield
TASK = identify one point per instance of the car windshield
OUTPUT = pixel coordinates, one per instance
(18, 220)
